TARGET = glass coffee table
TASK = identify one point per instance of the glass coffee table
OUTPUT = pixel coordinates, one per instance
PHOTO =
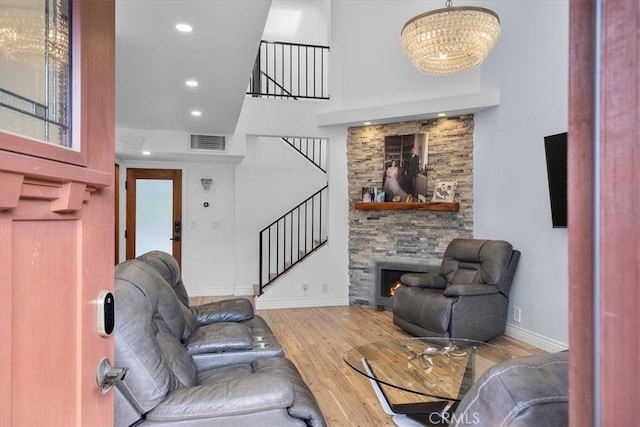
(420, 381)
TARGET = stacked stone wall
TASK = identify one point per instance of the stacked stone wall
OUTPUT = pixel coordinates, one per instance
(406, 234)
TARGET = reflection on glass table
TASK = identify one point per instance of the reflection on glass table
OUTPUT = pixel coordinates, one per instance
(423, 378)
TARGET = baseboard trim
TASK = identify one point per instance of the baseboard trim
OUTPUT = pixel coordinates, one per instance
(301, 303)
(537, 340)
(243, 292)
(220, 292)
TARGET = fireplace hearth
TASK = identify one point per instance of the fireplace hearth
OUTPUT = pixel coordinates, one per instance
(386, 276)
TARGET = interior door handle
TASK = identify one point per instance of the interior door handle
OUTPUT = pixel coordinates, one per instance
(107, 375)
(175, 238)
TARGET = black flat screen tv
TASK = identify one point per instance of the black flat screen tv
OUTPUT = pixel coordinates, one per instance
(556, 153)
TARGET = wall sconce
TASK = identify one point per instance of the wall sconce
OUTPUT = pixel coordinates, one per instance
(206, 183)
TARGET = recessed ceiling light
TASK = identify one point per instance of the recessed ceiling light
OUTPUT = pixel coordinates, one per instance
(196, 113)
(146, 153)
(367, 123)
(185, 28)
(442, 114)
(191, 83)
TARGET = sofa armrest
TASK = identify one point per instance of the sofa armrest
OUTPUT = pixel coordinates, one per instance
(469, 289)
(424, 280)
(218, 337)
(244, 395)
(230, 310)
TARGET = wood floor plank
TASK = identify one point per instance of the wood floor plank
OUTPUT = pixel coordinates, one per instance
(315, 340)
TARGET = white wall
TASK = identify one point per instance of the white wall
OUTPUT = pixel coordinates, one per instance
(368, 67)
(271, 180)
(511, 189)
(295, 21)
(208, 236)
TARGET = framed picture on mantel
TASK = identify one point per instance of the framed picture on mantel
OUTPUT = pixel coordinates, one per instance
(445, 191)
(405, 167)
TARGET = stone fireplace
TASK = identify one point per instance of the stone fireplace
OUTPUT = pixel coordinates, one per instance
(405, 240)
(386, 275)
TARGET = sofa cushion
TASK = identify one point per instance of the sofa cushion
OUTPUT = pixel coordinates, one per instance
(255, 393)
(304, 405)
(228, 310)
(150, 378)
(427, 308)
(476, 261)
(527, 391)
(433, 281)
(222, 336)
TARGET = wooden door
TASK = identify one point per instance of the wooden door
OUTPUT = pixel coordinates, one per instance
(169, 233)
(56, 246)
(604, 213)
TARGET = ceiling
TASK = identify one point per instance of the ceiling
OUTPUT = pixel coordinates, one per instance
(153, 61)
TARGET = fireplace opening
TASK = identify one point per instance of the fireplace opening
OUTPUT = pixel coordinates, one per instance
(386, 277)
(389, 282)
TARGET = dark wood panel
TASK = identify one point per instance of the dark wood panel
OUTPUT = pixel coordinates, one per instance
(404, 206)
(620, 214)
(580, 213)
(603, 248)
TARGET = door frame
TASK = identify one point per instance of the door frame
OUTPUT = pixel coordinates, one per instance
(133, 174)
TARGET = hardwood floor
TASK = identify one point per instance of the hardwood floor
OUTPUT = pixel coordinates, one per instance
(315, 339)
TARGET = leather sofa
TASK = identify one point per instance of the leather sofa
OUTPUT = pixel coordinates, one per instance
(525, 392)
(467, 297)
(165, 387)
(216, 333)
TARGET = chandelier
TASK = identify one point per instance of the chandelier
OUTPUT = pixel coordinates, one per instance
(450, 40)
(27, 34)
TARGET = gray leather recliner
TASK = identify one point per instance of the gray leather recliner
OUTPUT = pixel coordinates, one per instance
(164, 386)
(216, 333)
(467, 297)
(529, 391)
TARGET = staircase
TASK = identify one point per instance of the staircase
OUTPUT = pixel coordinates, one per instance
(293, 71)
(302, 230)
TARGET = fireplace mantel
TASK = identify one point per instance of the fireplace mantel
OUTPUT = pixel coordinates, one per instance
(420, 206)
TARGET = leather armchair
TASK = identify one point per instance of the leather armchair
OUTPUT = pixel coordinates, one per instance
(164, 387)
(467, 297)
(216, 333)
(527, 391)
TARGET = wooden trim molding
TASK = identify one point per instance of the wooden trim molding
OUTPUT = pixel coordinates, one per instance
(405, 206)
(66, 187)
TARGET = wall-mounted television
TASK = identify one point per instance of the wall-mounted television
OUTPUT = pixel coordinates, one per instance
(556, 153)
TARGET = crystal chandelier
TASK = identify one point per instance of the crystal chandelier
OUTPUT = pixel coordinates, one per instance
(27, 34)
(450, 40)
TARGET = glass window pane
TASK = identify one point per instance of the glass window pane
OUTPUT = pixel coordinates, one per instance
(35, 73)
(154, 215)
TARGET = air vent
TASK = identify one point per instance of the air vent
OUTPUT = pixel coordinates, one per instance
(207, 142)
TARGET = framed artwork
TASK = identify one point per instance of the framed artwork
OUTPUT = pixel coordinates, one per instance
(445, 191)
(404, 176)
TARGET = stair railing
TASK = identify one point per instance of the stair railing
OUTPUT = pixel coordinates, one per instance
(290, 70)
(292, 237)
(313, 149)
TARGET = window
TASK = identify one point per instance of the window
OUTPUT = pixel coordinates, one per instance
(35, 69)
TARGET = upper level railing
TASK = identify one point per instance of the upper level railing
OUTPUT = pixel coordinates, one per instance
(290, 70)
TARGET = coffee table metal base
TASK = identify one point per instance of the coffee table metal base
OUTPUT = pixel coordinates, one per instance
(416, 415)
